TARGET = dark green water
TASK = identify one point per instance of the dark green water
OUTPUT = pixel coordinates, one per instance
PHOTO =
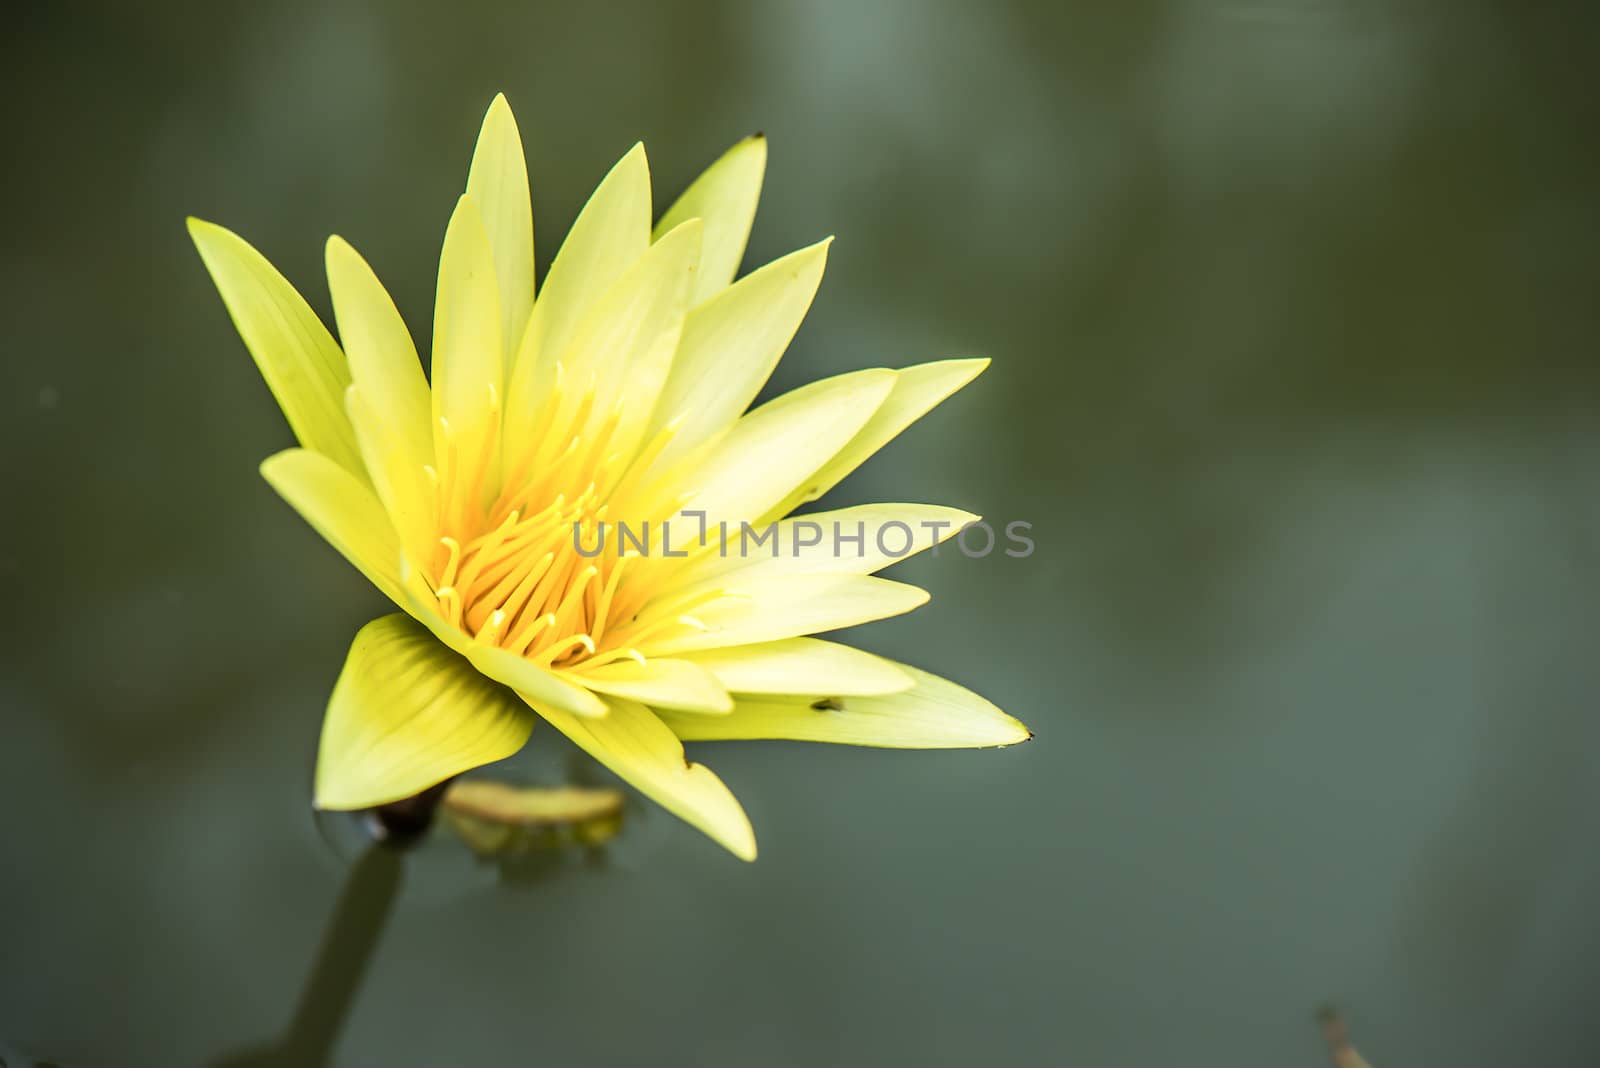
(1293, 318)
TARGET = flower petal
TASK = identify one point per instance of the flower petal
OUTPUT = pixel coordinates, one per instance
(468, 367)
(633, 742)
(934, 714)
(392, 413)
(779, 446)
(498, 182)
(540, 685)
(768, 608)
(383, 358)
(402, 486)
(732, 342)
(801, 666)
(725, 197)
(627, 341)
(915, 393)
(663, 683)
(845, 541)
(407, 713)
(610, 233)
(344, 511)
(293, 350)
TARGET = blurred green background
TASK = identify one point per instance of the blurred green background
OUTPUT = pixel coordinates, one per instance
(1292, 311)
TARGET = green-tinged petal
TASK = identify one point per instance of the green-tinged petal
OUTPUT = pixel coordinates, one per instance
(768, 608)
(633, 742)
(296, 355)
(916, 391)
(468, 373)
(407, 713)
(626, 344)
(801, 666)
(610, 233)
(845, 541)
(725, 197)
(778, 447)
(392, 414)
(344, 511)
(498, 182)
(664, 683)
(934, 714)
(732, 342)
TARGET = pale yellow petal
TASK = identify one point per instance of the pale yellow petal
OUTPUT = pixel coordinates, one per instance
(725, 197)
(392, 413)
(343, 510)
(383, 358)
(934, 714)
(293, 350)
(801, 666)
(768, 608)
(778, 447)
(468, 368)
(398, 478)
(857, 540)
(498, 182)
(626, 344)
(732, 342)
(540, 685)
(661, 683)
(634, 743)
(408, 713)
(610, 233)
(916, 391)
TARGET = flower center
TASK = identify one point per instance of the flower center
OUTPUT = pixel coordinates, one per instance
(509, 572)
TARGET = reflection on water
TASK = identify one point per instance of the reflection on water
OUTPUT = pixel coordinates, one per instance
(354, 929)
(1289, 303)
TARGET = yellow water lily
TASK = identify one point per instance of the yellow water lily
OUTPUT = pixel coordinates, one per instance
(616, 396)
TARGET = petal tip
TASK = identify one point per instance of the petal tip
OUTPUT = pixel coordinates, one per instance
(203, 233)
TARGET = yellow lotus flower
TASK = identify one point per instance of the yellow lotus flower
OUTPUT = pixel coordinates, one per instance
(617, 396)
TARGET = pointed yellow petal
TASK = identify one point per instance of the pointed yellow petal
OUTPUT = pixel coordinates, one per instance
(407, 713)
(725, 197)
(800, 666)
(676, 684)
(610, 233)
(768, 608)
(468, 374)
(391, 413)
(296, 355)
(634, 743)
(383, 359)
(626, 344)
(498, 182)
(918, 389)
(344, 511)
(732, 342)
(844, 541)
(934, 714)
(779, 446)
(398, 478)
(543, 687)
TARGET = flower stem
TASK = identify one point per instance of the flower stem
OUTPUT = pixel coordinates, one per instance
(400, 824)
